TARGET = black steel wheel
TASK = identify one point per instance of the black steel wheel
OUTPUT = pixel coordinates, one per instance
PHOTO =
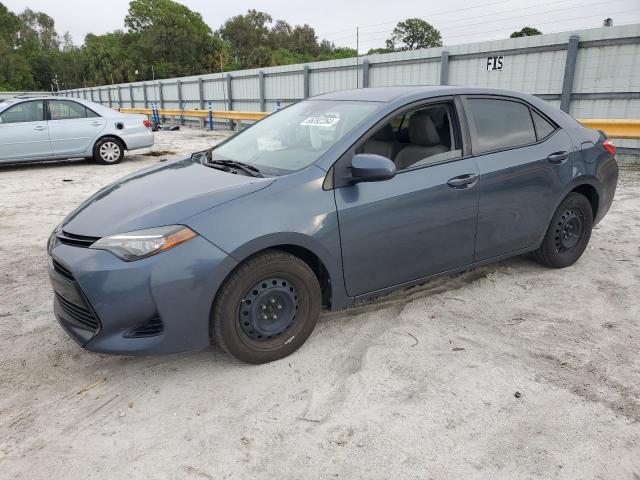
(267, 308)
(568, 233)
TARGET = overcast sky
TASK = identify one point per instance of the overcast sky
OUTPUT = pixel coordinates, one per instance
(459, 21)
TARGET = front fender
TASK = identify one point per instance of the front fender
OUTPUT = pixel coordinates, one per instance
(293, 211)
(333, 264)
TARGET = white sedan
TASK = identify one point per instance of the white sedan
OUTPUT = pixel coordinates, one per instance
(48, 127)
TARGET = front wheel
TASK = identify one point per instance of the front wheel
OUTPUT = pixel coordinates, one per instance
(267, 308)
(568, 233)
(108, 151)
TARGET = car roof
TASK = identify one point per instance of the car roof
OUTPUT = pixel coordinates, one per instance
(98, 108)
(391, 94)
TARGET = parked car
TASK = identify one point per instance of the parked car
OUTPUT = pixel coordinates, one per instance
(331, 201)
(50, 127)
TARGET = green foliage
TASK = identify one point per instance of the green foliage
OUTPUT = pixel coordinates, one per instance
(526, 32)
(162, 38)
(380, 50)
(412, 34)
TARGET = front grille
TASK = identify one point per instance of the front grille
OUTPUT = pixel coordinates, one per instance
(62, 270)
(70, 300)
(150, 328)
(81, 315)
(76, 240)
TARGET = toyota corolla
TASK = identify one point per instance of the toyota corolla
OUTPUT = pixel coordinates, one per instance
(331, 201)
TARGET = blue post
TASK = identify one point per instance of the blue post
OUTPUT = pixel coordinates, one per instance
(210, 117)
(277, 105)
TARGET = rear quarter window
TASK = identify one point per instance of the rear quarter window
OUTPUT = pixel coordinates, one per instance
(543, 127)
(500, 124)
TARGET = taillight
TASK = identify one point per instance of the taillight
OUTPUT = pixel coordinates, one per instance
(610, 146)
(146, 123)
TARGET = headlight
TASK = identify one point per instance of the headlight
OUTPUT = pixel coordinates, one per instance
(53, 239)
(144, 243)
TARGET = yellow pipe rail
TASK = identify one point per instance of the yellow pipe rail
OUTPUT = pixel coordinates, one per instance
(226, 115)
(614, 128)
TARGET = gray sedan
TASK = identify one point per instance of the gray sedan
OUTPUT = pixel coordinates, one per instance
(327, 203)
(45, 128)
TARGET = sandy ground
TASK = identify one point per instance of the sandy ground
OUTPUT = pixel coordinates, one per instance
(510, 371)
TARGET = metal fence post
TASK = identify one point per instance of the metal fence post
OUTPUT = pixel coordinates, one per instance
(261, 86)
(160, 95)
(201, 98)
(444, 68)
(133, 104)
(569, 73)
(365, 73)
(305, 72)
(109, 96)
(161, 99)
(180, 106)
(119, 97)
(229, 99)
(201, 92)
(144, 95)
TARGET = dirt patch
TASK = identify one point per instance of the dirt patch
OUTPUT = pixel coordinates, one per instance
(158, 153)
(420, 384)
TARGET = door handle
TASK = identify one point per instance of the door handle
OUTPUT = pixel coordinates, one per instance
(558, 157)
(96, 123)
(463, 181)
(39, 127)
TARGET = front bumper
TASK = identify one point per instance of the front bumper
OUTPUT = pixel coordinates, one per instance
(159, 304)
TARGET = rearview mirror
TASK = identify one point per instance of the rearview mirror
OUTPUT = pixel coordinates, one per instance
(367, 167)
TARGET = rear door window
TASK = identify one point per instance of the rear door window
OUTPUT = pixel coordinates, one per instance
(67, 110)
(499, 124)
(24, 112)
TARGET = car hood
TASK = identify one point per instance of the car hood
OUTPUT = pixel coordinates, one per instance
(157, 196)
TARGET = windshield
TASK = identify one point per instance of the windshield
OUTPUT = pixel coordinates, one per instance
(295, 137)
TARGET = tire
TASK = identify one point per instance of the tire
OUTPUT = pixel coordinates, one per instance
(267, 308)
(108, 151)
(568, 233)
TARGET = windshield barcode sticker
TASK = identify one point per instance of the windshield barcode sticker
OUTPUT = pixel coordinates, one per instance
(322, 121)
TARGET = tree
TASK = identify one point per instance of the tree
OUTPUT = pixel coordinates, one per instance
(37, 31)
(526, 32)
(280, 35)
(412, 34)
(244, 33)
(162, 35)
(170, 36)
(304, 40)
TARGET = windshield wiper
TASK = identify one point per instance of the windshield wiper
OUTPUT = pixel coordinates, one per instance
(245, 167)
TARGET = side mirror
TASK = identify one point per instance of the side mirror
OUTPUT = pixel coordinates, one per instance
(367, 167)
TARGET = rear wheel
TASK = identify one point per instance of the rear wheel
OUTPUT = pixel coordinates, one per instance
(108, 151)
(568, 233)
(267, 308)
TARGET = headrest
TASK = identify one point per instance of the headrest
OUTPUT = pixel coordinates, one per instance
(385, 134)
(422, 131)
